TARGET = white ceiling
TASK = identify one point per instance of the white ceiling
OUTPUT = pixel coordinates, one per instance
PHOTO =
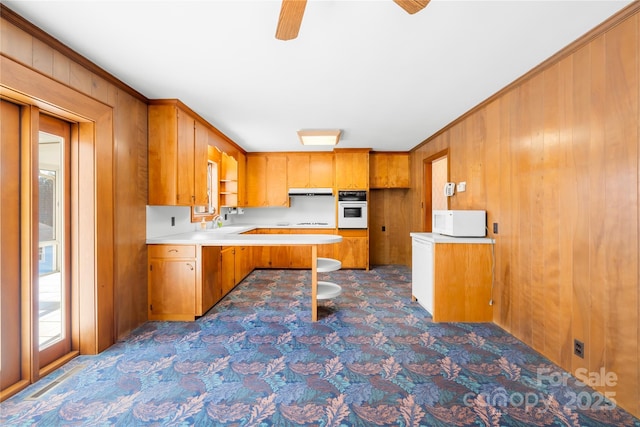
(387, 79)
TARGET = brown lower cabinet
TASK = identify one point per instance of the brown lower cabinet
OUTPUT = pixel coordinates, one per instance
(243, 264)
(237, 263)
(212, 292)
(290, 256)
(185, 281)
(228, 262)
(353, 251)
(300, 256)
(272, 256)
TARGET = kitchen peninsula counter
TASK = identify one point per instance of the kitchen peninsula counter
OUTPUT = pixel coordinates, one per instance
(231, 236)
(222, 237)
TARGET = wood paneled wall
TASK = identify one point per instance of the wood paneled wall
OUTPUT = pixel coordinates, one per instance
(126, 276)
(130, 148)
(554, 160)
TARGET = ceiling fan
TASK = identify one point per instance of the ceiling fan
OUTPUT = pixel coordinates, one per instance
(291, 13)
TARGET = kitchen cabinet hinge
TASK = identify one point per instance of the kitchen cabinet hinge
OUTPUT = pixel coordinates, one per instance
(151, 307)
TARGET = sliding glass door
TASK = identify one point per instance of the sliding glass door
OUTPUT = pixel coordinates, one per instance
(35, 243)
(54, 288)
(11, 368)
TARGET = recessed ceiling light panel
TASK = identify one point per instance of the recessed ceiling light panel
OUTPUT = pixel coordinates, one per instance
(319, 137)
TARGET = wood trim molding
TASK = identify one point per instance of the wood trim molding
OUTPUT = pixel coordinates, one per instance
(28, 242)
(34, 31)
(13, 389)
(616, 19)
(388, 152)
(426, 195)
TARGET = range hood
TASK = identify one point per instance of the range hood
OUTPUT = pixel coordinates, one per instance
(311, 192)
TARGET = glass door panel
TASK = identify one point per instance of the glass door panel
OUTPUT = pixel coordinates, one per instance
(54, 297)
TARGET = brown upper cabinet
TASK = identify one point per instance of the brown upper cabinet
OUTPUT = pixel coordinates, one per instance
(177, 156)
(229, 181)
(389, 170)
(242, 179)
(352, 168)
(310, 170)
(267, 180)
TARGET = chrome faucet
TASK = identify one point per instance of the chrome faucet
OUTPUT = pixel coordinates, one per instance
(216, 221)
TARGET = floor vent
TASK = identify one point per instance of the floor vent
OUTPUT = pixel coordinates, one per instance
(53, 384)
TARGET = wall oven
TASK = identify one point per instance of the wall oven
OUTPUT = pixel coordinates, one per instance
(352, 209)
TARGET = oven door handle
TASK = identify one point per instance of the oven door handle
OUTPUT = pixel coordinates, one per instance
(353, 204)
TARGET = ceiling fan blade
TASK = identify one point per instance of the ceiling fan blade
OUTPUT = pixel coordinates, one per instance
(290, 19)
(412, 6)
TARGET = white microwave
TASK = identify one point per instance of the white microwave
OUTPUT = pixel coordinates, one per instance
(460, 223)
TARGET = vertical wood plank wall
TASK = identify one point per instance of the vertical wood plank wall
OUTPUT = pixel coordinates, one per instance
(129, 152)
(554, 160)
(130, 155)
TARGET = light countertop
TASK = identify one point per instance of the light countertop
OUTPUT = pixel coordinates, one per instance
(439, 238)
(231, 236)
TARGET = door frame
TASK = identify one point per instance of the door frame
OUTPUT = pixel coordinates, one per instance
(427, 169)
(92, 209)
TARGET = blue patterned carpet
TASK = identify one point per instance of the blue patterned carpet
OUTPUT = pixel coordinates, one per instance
(373, 359)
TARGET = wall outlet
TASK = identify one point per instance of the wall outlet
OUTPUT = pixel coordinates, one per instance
(578, 348)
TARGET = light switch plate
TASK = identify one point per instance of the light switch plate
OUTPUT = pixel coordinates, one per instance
(462, 186)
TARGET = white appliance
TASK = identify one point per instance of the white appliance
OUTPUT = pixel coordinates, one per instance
(352, 209)
(460, 223)
(422, 273)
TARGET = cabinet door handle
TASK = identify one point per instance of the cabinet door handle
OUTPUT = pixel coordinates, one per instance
(190, 266)
(173, 250)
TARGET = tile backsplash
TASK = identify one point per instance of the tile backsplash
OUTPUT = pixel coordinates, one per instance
(159, 220)
(165, 220)
(302, 209)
